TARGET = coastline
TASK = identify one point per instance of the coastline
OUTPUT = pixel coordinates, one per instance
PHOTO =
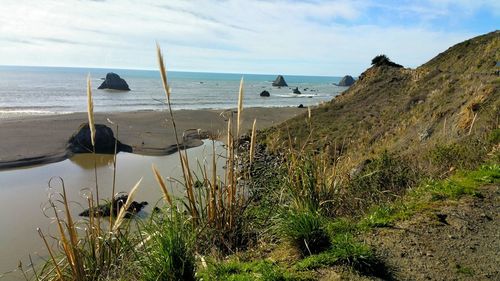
(35, 140)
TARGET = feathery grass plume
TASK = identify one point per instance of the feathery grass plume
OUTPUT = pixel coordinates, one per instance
(162, 184)
(240, 108)
(253, 140)
(123, 211)
(163, 71)
(90, 111)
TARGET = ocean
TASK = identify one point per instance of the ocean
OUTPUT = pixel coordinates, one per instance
(59, 90)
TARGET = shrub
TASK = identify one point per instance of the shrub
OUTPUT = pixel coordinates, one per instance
(306, 230)
(382, 180)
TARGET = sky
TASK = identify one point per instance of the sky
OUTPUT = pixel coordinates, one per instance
(314, 37)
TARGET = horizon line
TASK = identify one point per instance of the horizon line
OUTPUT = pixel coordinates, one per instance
(185, 71)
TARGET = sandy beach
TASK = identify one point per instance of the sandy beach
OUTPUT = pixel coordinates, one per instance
(35, 140)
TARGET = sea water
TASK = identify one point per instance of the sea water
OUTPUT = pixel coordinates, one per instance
(58, 90)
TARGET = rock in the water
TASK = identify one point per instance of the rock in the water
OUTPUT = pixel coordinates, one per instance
(104, 141)
(280, 82)
(265, 94)
(296, 91)
(115, 82)
(119, 201)
(301, 106)
(346, 81)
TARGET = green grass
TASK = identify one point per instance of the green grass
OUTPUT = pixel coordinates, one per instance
(458, 185)
(169, 251)
(345, 250)
(306, 230)
(464, 270)
(242, 271)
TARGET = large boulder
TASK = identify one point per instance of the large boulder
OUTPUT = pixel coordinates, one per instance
(296, 91)
(115, 82)
(265, 94)
(347, 81)
(280, 82)
(104, 141)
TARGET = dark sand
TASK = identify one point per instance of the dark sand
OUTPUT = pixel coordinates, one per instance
(42, 139)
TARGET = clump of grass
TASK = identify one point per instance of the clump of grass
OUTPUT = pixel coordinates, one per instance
(242, 271)
(465, 270)
(218, 204)
(306, 230)
(311, 181)
(169, 250)
(382, 180)
(345, 250)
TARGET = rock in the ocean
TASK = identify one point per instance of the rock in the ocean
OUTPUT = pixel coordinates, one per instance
(119, 201)
(346, 81)
(115, 82)
(104, 140)
(296, 91)
(301, 106)
(265, 94)
(280, 82)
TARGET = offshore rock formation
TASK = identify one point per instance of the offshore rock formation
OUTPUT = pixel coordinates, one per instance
(280, 82)
(115, 82)
(347, 81)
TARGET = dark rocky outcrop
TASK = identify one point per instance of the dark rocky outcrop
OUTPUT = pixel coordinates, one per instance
(115, 82)
(346, 81)
(300, 106)
(296, 91)
(280, 82)
(265, 94)
(119, 201)
(104, 141)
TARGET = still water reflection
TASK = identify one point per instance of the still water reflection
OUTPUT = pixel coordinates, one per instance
(24, 193)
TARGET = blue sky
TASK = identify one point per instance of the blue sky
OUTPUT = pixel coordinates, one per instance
(334, 37)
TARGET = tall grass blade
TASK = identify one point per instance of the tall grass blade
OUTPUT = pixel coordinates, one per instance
(240, 108)
(90, 111)
(162, 185)
(123, 211)
(253, 140)
(56, 265)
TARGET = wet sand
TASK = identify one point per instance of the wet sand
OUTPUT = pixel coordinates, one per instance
(42, 139)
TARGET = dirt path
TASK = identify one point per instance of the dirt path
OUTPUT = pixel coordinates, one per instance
(452, 241)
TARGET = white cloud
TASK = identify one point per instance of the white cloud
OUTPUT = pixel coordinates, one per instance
(313, 37)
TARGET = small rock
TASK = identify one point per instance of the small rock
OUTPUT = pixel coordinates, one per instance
(265, 94)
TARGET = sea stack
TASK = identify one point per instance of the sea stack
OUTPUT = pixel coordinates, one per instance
(280, 82)
(346, 81)
(115, 82)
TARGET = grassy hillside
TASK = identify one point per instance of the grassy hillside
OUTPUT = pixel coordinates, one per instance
(454, 98)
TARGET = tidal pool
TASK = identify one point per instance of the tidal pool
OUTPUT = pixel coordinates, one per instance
(24, 194)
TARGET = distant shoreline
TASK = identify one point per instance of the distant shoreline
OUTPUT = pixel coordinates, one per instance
(42, 139)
